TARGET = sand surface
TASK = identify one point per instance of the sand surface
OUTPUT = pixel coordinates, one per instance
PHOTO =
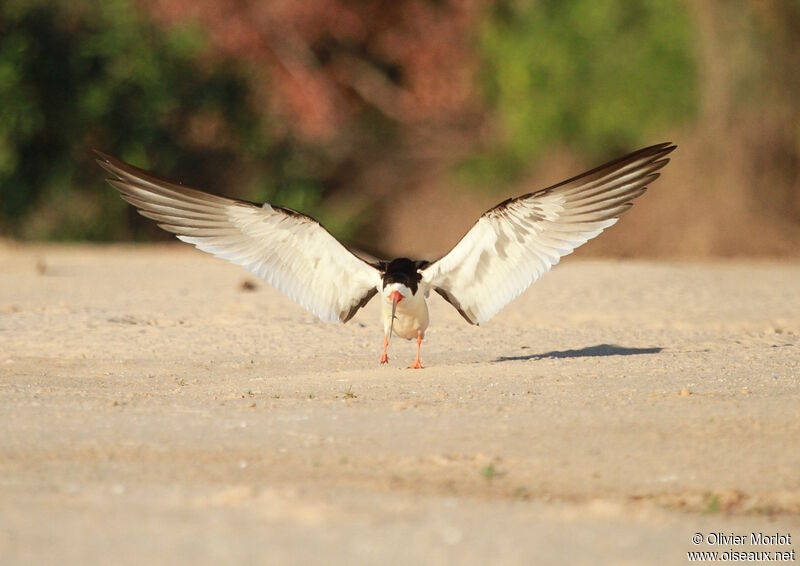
(153, 411)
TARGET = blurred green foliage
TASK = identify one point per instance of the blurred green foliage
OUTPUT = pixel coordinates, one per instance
(599, 77)
(80, 74)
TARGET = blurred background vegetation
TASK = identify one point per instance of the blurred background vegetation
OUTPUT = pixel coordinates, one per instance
(346, 109)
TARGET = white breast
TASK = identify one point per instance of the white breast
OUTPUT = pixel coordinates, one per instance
(411, 315)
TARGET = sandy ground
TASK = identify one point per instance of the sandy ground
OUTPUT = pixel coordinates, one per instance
(154, 411)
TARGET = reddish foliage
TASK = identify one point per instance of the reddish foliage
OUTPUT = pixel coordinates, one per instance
(328, 60)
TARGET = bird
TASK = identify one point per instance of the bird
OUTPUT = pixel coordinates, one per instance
(507, 250)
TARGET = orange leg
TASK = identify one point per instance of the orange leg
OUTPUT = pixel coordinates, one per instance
(385, 356)
(417, 364)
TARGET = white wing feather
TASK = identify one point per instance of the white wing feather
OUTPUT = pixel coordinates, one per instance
(515, 243)
(287, 249)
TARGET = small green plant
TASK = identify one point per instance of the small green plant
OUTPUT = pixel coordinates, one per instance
(712, 504)
(349, 393)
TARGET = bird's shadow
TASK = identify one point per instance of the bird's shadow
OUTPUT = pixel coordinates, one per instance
(588, 352)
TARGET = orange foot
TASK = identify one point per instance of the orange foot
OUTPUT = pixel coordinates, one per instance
(416, 365)
(384, 358)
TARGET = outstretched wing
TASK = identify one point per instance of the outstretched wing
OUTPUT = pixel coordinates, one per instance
(288, 249)
(517, 241)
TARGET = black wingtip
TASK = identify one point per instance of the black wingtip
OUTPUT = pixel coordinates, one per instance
(663, 147)
(106, 162)
(101, 157)
(666, 147)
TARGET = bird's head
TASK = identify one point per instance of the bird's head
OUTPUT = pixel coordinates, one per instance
(400, 279)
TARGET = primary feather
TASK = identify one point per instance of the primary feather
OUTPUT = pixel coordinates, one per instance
(517, 241)
(288, 249)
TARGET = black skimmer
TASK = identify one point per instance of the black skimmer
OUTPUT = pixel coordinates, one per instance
(510, 246)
